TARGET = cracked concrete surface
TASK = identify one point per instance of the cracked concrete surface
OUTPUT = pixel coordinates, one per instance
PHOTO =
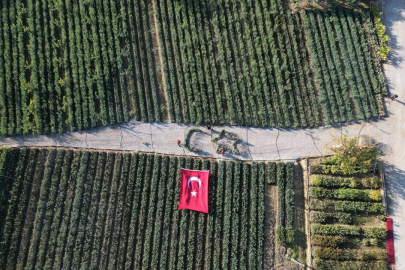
(276, 144)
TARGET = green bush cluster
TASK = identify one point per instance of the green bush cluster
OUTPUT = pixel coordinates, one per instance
(371, 242)
(289, 202)
(281, 230)
(328, 240)
(285, 212)
(339, 217)
(320, 264)
(328, 253)
(336, 230)
(347, 182)
(271, 173)
(187, 138)
(230, 136)
(384, 49)
(345, 194)
(375, 232)
(347, 206)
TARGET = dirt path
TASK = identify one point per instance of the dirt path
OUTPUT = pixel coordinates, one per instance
(163, 96)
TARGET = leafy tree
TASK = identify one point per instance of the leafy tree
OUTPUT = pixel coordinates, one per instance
(351, 158)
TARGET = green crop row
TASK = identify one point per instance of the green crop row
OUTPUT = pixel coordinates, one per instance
(339, 217)
(369, 232)
(80, 209)
(347, 206)
(346, 194)
(348, 182)
(350, 265)
(328, 240)
(335, 230)
(328, 253)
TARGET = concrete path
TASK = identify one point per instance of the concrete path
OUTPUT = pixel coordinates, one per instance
(276, 144)
(394, 20)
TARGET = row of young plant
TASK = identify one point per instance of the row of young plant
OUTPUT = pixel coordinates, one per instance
(304, 71)
(80, 70)
(371, 22)
(349, 265)
(329, 40)
(205, 61)
(89, 209)
(347, 206)
(285, 195)
(327, 181)
(345, 194)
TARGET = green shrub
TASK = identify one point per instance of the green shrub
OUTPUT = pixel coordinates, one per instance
(367, 255)
(328, 240)
(375, 232)
(344, 218)
(375, 195)
(335, 230)
(332, 181)
(281, 204)
(349, 265)
(289, 202)
(352, 194)
(280, 235)
(371, 242)
(289, 235)
(187, 138)
(321, 217)
(271, 173)
(345, 193)
(348, 206)
(351, 158)
(372, 183)
(384, 49)
(230, 136)
(329, 253)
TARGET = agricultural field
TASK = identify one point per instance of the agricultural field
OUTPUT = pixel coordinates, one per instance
(347, 220)
(76, 209)
(71, 65)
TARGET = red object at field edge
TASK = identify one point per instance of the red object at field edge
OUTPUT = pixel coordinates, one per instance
(390, 240)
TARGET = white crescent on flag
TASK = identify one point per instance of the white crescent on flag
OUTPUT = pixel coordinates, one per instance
(194, 179)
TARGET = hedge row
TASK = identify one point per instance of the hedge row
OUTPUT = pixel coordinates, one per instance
(336, 230)
(350, 265)
(328, 253)
(281, 230)
(346, 194)
(347, 206)
(339, 217)
(368, 232)
(289, 202)
(348, 182)
(271, 173)
(328, 240)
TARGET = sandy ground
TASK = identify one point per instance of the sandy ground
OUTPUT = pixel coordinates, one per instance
(276, 144)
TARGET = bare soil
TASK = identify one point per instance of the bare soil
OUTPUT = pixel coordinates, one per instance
(270, 205)
(157, 53)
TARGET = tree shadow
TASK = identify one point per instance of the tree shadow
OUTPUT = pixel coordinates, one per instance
(391, 16)
(395, 185)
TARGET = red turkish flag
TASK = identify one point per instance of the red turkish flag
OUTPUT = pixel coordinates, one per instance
(194, 190)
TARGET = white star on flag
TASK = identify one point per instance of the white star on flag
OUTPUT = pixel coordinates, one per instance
(194, 193)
